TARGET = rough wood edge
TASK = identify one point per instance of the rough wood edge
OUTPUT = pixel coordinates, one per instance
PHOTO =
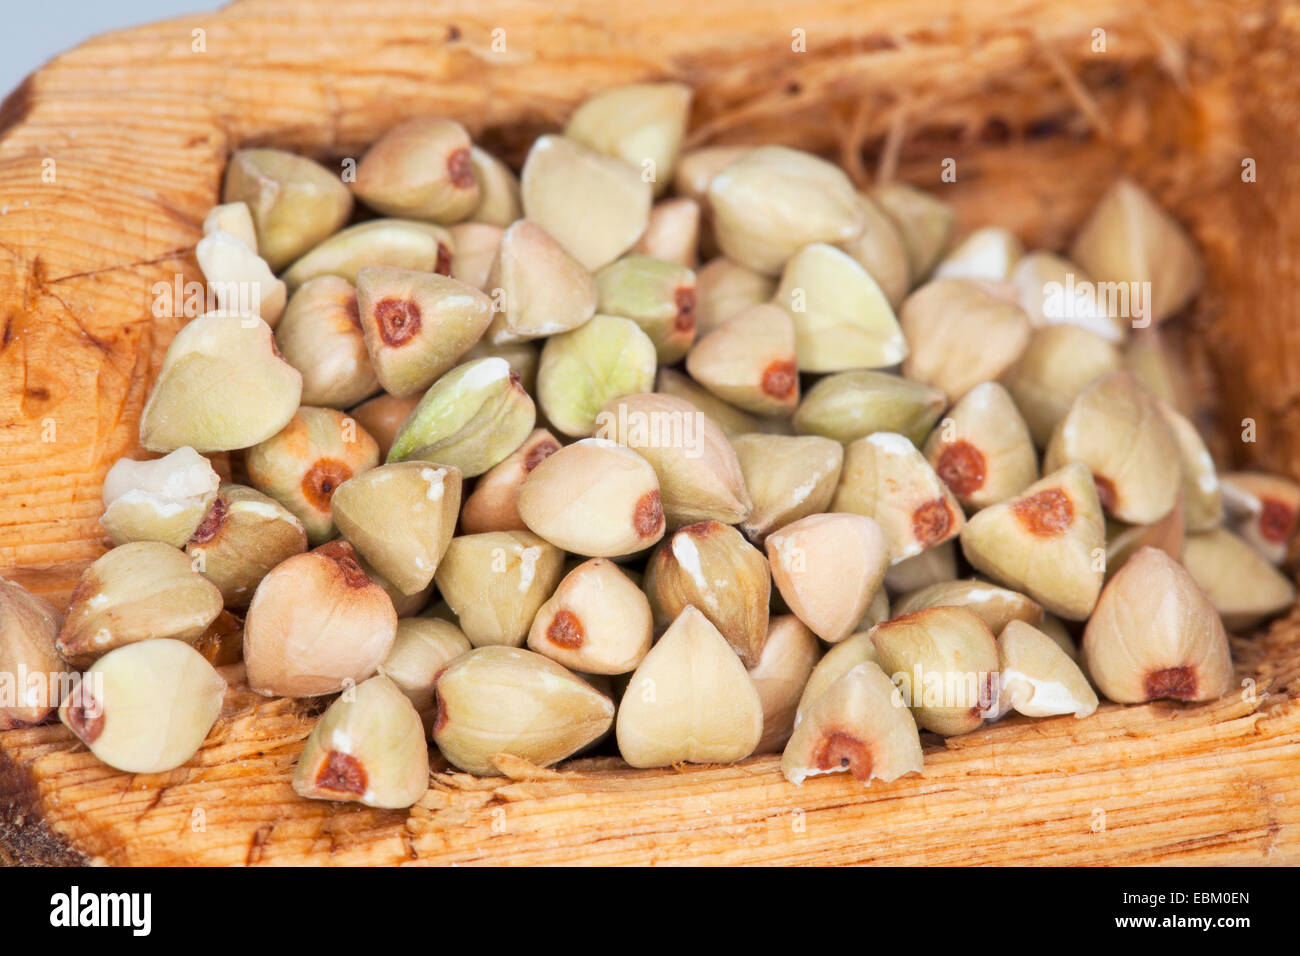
(977, 43)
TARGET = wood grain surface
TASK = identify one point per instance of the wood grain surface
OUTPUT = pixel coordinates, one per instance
(111, 155)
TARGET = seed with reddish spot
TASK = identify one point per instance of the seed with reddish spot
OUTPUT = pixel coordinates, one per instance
(342, 773)
(648, 518)
(1276, 521)
(398, 320)
(540, 452)
(460, 168)
(211, 524)
(962, 468)
(844, 751)
(345, 557)
(1178, 683)
(321, 480)
(566, 630)
(780, 378)
(443, 264)
(1047, 513)
(84, 715)
(931, 522)
(685, 319)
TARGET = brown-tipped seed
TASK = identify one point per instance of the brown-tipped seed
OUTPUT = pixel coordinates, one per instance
(146, 707)
(1058, 363)
(789, 656)
(369, 748)
(924, 222)
(134, 592)
(1048, 542)
(1243, 587)
(1202, 499)
(672, 234)
(494, 505)
(997, 606)
(382, 416)
(1129, 239)
(303, 464)
(243, 535)
(1115, 428)
(987, 253)
(932, 566)
(499, 204)
(295, 202)
(658, 296)
(773, 201)
(1262, 508)
(417, 325)
(642, 124)
(842, 318)
(835, 663)
(1155, 634)
(852, 405)
(880, 250)
(316, 624)
(32, 674)
(496, 582)
(320, 335)
(400, 517)
(239, 279)
(477, 245)
(222, 386)
(595, 498)
(424, 646)
(982, 449)
(828, 568)
(712, 567)
(857, 726)
(420, 169)
(886, 478)
(788, 477)
(730, 419)
(1055, 291)
(699, 475)
(1038, 679)
(395, 243)
(749, 361)
(505, 700)
(537, 287)
(597, 621)
(160, 500)
(944, 660)
(690, 700)
(961, 334)
(595, 206)
(724, 288)
(471, 418)
(581, 371)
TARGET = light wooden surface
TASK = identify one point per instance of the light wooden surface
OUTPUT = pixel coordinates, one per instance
(138, 125)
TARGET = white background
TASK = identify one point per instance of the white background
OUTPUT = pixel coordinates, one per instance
(33, 31)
